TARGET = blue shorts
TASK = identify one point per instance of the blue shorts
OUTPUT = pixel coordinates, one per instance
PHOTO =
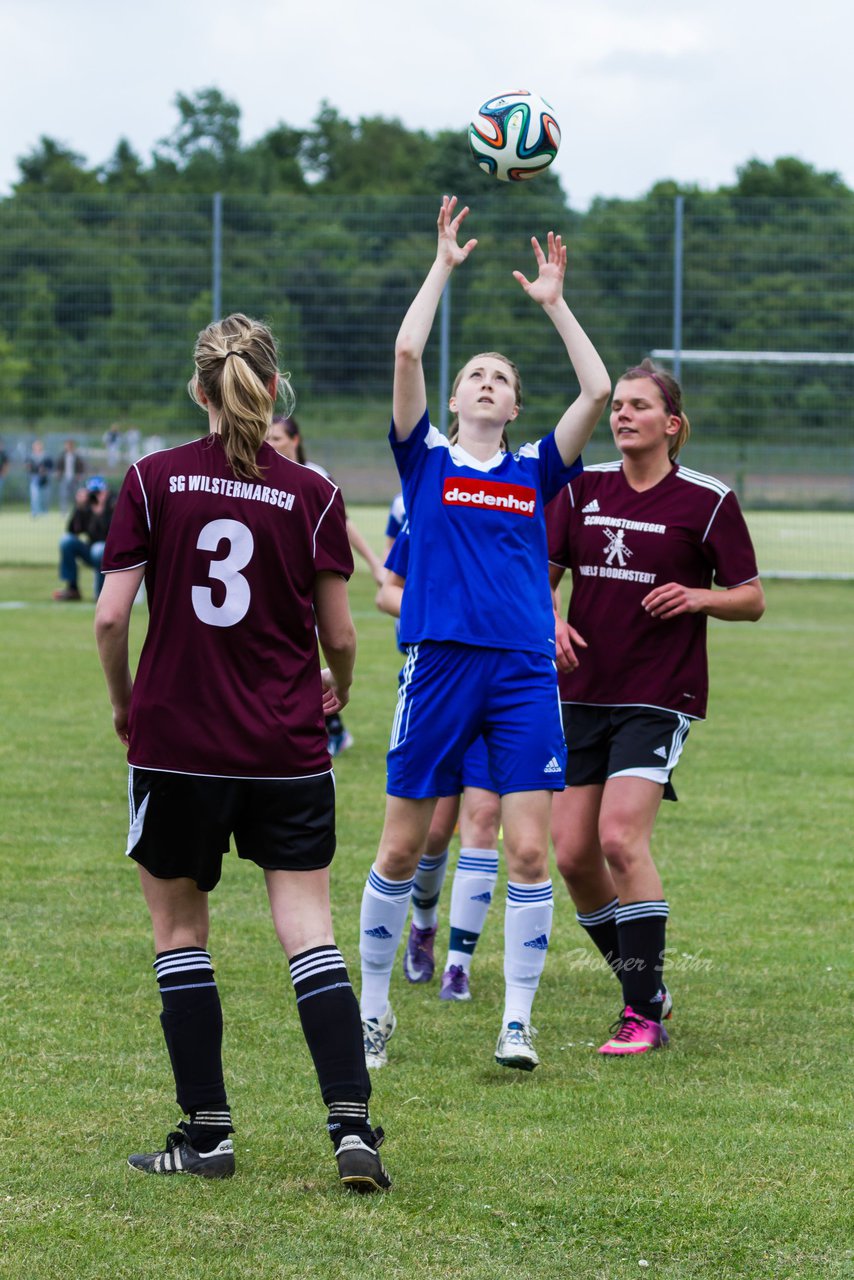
(449, 695)
(474, 771)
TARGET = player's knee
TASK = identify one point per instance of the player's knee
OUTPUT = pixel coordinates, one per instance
(482, 824)
(527, 862)
(623, 852)
(575, 862)
(397, 861)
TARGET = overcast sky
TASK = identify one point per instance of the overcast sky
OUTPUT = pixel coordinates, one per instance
(673, 89)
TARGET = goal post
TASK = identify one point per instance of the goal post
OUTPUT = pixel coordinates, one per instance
(778, 427)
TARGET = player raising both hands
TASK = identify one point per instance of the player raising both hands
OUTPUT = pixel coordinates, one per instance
(478, 622)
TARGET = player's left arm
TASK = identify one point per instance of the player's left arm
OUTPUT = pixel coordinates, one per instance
(744, 603)
(337, 636)
(112, 624)
(576, 426)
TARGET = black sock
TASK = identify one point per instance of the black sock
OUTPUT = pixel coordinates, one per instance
(192, 1026)
(332, 1026)
(641, 927)
(208, 1127)
(348, 1117)
(601, 927)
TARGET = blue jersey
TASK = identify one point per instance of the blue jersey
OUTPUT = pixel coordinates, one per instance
(396, 517)
(478, 558)
(397, 560)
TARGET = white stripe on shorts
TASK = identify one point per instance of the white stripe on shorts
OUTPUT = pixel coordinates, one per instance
(137, 816)
(662, 774)
(400, 724)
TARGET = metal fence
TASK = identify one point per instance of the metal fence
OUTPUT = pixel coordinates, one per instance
(101, 298)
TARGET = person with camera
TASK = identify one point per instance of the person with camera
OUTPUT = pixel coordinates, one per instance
(85, 537)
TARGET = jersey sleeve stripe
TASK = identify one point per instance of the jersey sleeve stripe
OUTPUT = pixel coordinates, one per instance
(712, 517)
(320, 521)
(705, 482)
(144, 496)
(731, 586)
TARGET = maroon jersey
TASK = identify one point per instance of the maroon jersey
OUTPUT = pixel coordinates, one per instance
(620, 544)
(228, 682)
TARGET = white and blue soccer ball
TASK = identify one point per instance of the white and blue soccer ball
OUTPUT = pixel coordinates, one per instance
(515, 136)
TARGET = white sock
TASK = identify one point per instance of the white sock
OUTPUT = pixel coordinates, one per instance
(384, 907)
(527, 928)
(471, 895)
(429, 878)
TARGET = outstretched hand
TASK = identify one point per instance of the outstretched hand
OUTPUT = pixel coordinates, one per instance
(448, 250)
(548, 286)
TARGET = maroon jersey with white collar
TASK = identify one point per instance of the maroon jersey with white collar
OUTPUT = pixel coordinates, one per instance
(228, 682)
(619, 545)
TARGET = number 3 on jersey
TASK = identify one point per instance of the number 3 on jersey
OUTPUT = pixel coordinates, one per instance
(226, 569)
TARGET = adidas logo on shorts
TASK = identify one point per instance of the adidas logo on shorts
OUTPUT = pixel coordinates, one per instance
(591, 506)
(552, 767)
(660, 751)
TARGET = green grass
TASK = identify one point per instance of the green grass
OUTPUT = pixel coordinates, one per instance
(788, 543)
(725, 1156)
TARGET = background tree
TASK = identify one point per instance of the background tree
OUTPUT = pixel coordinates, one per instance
(12, 371)
(53, 168)
(39, 340)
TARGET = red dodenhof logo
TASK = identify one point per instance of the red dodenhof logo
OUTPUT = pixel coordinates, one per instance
(497, 495)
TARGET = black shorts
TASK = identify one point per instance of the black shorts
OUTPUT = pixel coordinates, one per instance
(181, 824)
(622, 742)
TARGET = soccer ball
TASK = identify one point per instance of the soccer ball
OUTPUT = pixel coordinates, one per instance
(515, 136)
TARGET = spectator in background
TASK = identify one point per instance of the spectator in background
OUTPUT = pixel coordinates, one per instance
(71, 468)
(39, 468)
(133, 444)
(85, 536)
(112, 440)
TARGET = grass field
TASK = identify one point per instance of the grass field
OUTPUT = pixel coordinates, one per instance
(797, 544)
(726, 1156)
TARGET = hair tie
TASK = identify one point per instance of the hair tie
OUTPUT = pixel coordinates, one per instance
(233, 353)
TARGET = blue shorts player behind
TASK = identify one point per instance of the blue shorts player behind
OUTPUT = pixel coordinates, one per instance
(478, 622)
(478, 806)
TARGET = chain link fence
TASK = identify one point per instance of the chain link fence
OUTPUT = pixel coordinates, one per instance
(101, 298)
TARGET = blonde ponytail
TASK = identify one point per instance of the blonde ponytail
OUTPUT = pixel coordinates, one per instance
(236, 366)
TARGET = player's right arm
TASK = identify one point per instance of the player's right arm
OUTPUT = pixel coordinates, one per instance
(112, 623)
(337, 637)
(409, 397)
(566, 637)
(576, 425)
